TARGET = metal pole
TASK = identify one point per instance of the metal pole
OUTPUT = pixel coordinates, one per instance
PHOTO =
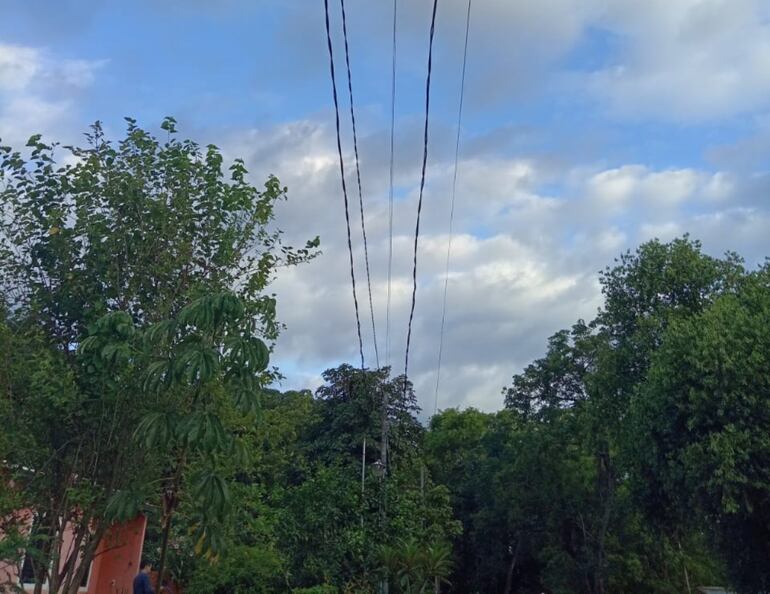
(384, 478)
(363, 468)
(363, 480)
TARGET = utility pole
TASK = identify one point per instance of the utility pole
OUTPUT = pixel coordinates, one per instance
(384, 475)
(384, 444)
(363, 480)
(422, 493)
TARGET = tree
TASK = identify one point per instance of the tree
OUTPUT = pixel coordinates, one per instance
(353, 401)
(416, 568)
(305, 473)
(455, 454)
(133, 263)
(702, 420)
(546, 490)
(353, 518)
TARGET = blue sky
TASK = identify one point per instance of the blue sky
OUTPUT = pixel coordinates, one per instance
(589, 127)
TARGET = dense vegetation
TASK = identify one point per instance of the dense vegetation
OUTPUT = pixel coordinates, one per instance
(136, 327)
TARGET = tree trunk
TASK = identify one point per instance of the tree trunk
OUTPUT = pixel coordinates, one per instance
(65, 576)
(89, 552)
(170, 500)
(606, 488)
(40, 572)
(163, 549)
(59, 526)
(684, 564)
(511, 567)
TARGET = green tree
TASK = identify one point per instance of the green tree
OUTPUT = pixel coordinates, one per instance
(133, 263)
(702, 420)
(352, 409)
(548, 491)
(417, 568)
(331, 524)
(455, 454)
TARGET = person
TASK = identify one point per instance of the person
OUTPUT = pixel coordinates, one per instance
(142, 580)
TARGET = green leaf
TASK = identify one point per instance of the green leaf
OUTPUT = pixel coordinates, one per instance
(161, 333)
(247, 400)
(203, 431)
(156, 376)
(212, 493)
(124, 505)
(154, 430)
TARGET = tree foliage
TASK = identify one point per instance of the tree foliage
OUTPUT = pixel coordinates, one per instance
(137, 272)
(702, 417)
(136, 330)
(564, 491)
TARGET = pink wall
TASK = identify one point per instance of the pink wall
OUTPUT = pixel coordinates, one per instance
(115, 564)
(8, 574)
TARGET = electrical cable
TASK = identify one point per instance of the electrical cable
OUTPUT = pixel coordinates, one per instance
(390, 193)
(452, 207)
(344, 185)
(358, 178)
(422, 189)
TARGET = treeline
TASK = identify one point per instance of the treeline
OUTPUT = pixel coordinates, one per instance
(632, 457)
(135, 338)
(313, 512)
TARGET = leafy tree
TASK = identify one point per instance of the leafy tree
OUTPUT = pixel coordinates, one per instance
(352, 410)
(455, 453)
(302, 483)
(701, 419)
(417, 568)
(547, 491)
(241, 570)
(407, 504)
(133, 262)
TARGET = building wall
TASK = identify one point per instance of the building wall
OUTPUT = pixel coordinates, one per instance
(8, 573)
(114, 566)
(118, 558)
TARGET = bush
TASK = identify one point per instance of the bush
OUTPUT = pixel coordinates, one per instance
(244, 570)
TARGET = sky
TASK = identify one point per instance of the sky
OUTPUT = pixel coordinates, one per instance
(589, 127)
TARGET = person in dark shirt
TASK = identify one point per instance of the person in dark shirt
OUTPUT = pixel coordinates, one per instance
(142, 580)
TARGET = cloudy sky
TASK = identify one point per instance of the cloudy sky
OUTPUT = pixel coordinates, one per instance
(590, 126)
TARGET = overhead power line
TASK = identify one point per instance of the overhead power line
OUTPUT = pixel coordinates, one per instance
(358, 179)
(452, 207)
(344, 185)
(390, 193)
(422, 189)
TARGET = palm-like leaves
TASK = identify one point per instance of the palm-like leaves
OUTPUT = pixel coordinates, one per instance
(437, 564)
(416, 568)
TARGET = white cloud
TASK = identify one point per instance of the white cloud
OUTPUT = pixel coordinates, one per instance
(671, 186)
(77, 73)
(524, 262)
(24, 67)
(615, 187)
(686, 60)
(617, 190)
(18, 67)
(611, 241)
(22, 116)
(663, 231)
(670, 60)
(38, 91)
